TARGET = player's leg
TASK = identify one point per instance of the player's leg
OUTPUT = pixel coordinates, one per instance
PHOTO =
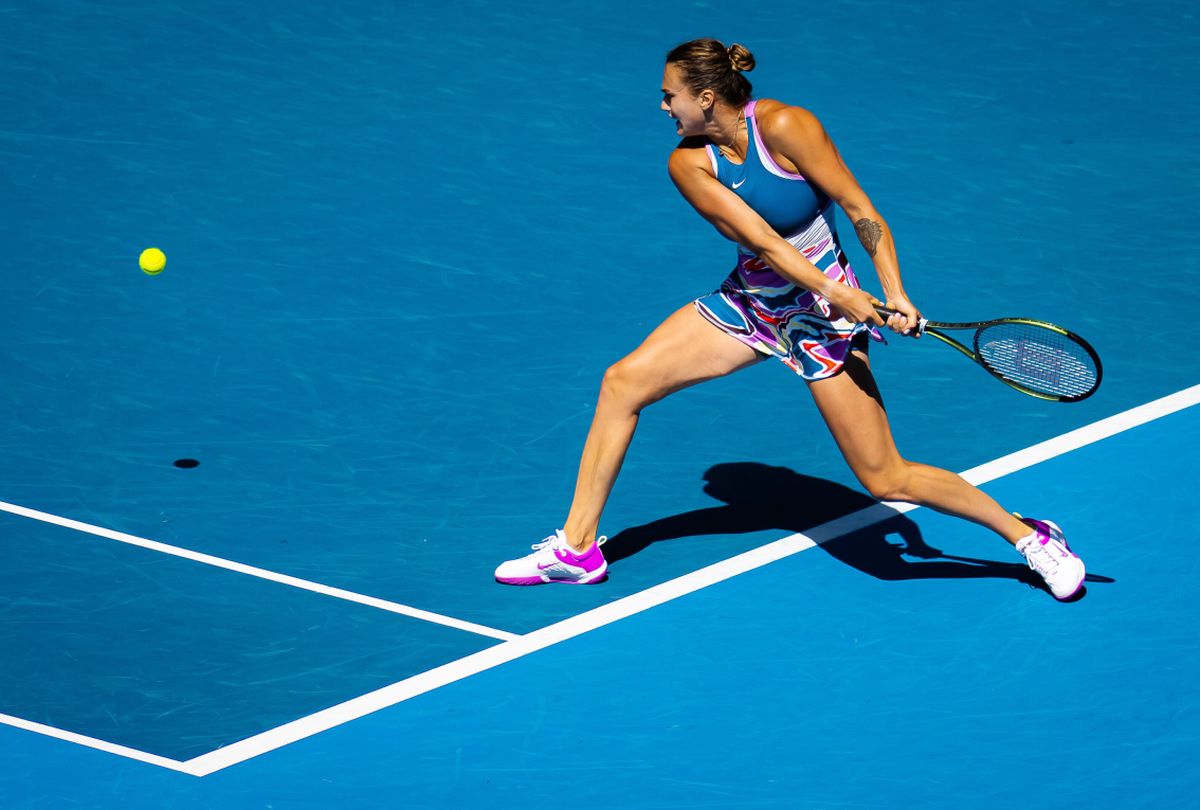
(683, 351)
(853, 409)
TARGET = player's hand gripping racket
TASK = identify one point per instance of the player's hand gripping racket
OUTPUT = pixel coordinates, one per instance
(1034, 357)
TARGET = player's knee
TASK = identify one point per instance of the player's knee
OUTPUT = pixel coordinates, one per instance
(615, 381)
(878, 485)
(889, 484)
(622, 385)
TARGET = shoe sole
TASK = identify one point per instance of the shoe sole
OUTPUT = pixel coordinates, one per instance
(1078, 587)
(596, 580)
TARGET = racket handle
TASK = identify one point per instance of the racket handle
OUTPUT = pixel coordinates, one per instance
(886, 313)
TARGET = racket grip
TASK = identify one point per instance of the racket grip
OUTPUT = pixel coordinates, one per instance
(886, 313)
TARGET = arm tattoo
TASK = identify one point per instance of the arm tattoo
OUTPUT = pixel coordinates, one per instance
(869, 233)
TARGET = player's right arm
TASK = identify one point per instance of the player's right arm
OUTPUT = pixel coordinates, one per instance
(691, 172)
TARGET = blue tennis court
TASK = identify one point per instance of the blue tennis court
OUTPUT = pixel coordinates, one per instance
(250, 507)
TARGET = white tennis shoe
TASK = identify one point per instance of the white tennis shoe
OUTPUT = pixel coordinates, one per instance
(553, 560)
(1047, 552)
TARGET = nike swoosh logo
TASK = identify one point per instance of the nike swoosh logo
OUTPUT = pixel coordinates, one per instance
(739, 182)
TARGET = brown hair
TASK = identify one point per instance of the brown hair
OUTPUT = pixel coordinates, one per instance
(707, 63)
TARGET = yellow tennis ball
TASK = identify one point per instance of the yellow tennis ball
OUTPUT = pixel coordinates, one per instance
(152, 261)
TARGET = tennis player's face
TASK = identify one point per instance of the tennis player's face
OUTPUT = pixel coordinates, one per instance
(679, 103)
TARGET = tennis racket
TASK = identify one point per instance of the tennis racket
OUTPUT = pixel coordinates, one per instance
(1036, 358)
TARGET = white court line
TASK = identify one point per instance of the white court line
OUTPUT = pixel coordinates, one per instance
(636, 603)
(261, 573)
(92, 742)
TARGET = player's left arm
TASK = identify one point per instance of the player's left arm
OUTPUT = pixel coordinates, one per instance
(795, 133)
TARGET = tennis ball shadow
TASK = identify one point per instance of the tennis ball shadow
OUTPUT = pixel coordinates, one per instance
(760, 497)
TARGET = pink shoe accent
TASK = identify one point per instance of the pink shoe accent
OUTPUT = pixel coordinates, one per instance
(1057, 554)
(553, 560)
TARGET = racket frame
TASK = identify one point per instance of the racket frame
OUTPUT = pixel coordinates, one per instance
(934, 328)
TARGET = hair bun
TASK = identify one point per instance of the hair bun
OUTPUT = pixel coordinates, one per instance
(707, 64)
(740, 57)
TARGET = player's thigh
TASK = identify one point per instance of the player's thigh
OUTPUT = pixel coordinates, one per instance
(683, 350)
(852, 408)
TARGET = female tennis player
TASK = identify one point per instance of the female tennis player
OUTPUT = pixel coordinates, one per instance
(766, 175)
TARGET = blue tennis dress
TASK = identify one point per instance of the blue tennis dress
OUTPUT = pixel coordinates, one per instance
(758, 306)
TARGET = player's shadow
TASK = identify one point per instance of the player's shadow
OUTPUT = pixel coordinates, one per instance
(759, 497)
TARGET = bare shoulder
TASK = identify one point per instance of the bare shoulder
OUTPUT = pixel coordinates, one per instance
(787, 123)
(795, 138)
(689, 154)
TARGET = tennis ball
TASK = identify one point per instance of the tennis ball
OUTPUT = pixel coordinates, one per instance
(152, 261)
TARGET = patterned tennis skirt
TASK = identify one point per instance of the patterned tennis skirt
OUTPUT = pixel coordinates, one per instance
(774, 316)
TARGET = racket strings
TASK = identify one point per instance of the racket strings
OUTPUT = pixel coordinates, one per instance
(1039, 358)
